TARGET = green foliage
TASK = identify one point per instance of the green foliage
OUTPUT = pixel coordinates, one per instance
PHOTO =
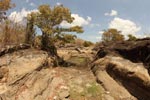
(112, 35)
(131, 37)
(94, 89)
(87, 43)
(48, 20)
(66, 38)
(79, 61)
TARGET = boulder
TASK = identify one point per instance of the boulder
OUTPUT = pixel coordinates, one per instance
(122, 78)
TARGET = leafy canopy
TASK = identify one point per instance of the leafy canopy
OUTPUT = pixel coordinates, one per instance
(131, 37)
(48, 19)
(112, 35)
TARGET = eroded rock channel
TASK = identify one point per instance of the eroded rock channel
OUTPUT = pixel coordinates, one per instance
(119, 71)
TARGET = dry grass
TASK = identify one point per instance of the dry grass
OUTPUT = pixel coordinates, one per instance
(11, 33)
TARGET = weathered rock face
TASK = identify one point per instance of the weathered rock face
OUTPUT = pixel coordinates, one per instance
(123, 69)
(27, 75)
(136, 51)
(21, 78)
(122, 78)
(77, 56)
(12, 48)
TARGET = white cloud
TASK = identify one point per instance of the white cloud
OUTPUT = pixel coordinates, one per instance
(89, 18)
(32, 4)
(142, 35)
(58, 3)
(100, 32)
(80, 21)
(99, 38)
(112, 13)
(20, 17)
(125, 26)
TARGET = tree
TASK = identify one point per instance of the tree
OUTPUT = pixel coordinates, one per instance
(30, 30)
(66, 38)
(131, 37)
(112, 35)
(4, 6)
(87, 43)
(48, 20)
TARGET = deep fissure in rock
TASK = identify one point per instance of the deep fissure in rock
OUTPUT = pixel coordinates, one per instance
(137, 55)
(133, 84)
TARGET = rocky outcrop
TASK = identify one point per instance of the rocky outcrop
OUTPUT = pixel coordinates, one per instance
(136, 51)
(13, 48)
(122, 68)
(122, 78)
(29, 75)
(21, 78)
(80, 57)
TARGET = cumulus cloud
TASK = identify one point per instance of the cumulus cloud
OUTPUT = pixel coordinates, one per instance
(99, 38)
(125, 26)
(80, 21)
(20, 17)
(100, 32)
(112, 13)
(32, 4)
(58, 3)
(89, 18)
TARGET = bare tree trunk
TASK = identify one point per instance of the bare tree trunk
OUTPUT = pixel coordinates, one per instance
(48, 45)
(30, 33)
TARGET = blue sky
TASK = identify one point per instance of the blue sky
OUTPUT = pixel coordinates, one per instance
(130, 16)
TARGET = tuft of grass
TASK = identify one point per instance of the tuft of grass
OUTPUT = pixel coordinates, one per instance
(94, 90)
(79, 61)
(87, 43)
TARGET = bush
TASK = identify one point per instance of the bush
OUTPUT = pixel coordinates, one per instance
(87, 44)
(131, 37)
(112, 35)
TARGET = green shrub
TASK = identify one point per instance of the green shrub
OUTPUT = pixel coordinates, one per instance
(87, 44)
(131, 37)
(112, 35)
